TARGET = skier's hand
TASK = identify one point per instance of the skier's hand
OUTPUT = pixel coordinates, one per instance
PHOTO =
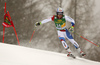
(71, 29)
(37, 24)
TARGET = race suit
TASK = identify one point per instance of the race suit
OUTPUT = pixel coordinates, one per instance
(61, 29)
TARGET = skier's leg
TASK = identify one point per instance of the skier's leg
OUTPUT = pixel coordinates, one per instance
(70, 38)
(62, 39)
(77, 46)
(74, 43)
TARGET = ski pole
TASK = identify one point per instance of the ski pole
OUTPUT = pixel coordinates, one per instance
(32, 35)
(86, 39)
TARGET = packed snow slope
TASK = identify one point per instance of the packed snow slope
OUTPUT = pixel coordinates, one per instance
(18, 55)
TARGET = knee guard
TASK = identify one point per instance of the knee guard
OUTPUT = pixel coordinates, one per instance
(65, 45)
(62, 39)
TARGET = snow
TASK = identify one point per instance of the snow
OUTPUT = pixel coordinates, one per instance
(18, 55)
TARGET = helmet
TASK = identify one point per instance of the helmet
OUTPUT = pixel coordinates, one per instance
(59, 11)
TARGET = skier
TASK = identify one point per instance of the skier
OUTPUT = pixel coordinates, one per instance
(60, 22)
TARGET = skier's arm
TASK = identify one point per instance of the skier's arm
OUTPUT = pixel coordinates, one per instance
(69, 19)
(45, 21)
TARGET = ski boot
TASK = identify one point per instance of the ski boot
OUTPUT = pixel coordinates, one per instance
(82, 53)
(71, 55)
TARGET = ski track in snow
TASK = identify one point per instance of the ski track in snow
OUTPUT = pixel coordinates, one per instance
(18, 55)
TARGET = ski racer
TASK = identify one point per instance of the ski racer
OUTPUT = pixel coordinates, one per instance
(60, 23)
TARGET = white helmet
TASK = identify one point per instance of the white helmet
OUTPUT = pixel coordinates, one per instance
(59, 11)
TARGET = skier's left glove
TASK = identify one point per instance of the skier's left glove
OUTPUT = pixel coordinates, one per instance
(71, 29)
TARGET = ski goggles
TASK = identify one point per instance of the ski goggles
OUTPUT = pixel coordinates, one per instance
(59, 13)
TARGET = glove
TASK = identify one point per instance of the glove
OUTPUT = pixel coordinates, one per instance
(71, 29)
(37, 24)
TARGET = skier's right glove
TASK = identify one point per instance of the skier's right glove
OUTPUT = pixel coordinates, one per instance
(37, 24)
